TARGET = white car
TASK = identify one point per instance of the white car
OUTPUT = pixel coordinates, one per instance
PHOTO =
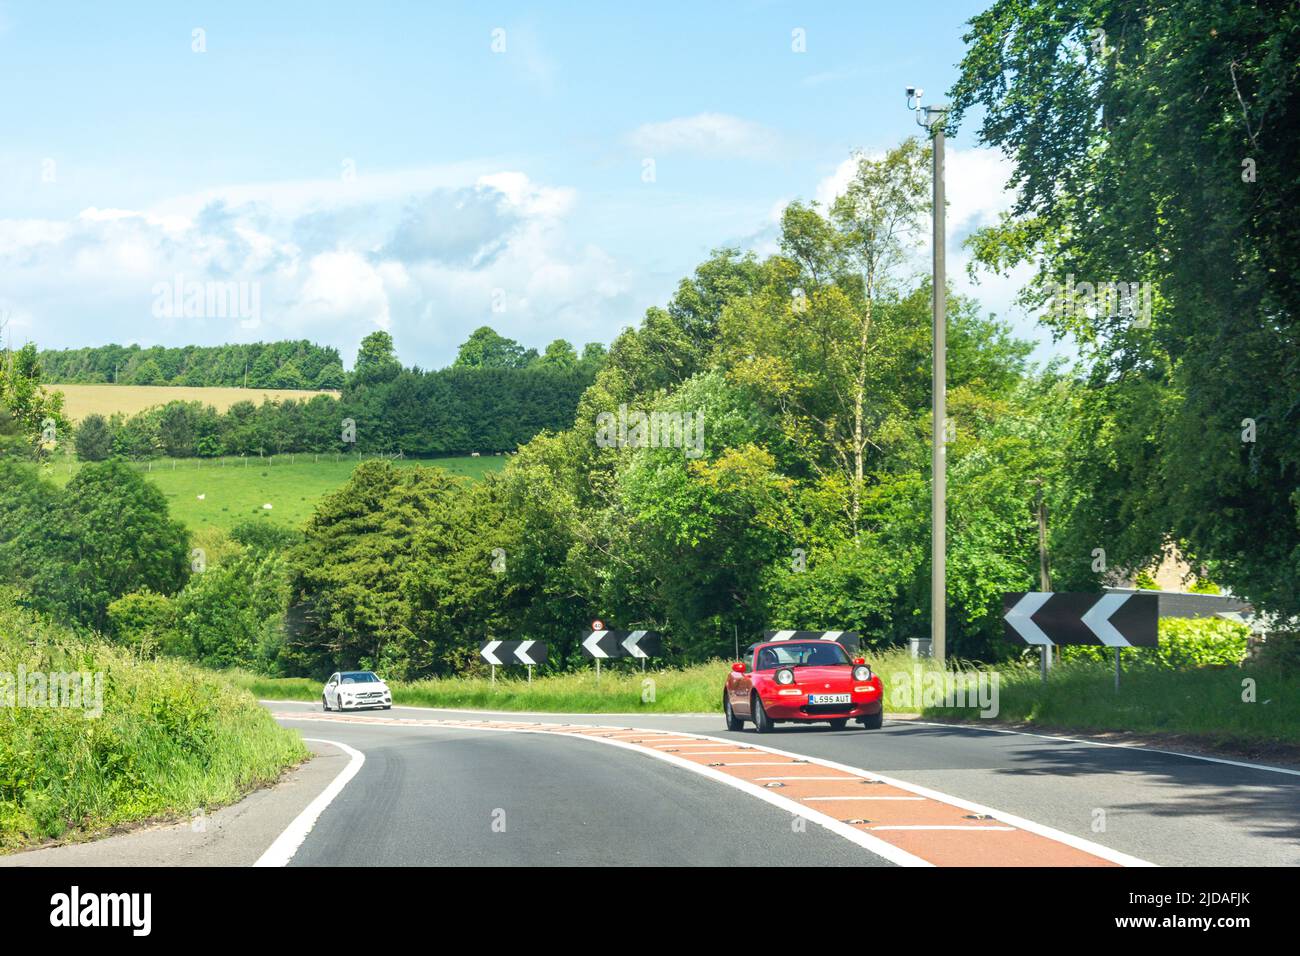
(353, 690)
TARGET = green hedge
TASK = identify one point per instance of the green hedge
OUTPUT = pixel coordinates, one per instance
(1184, 642)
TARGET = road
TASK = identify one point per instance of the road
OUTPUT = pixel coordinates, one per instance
(430, 794)
(456, 798)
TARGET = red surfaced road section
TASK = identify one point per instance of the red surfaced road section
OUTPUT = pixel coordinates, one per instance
(934, 828)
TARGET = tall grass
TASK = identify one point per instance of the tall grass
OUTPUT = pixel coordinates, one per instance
(1230, 705)
(172, 739)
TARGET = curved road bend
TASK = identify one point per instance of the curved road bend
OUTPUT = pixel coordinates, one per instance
(426, 795)
(431, 797)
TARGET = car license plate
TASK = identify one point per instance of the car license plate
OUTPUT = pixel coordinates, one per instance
(828, 698)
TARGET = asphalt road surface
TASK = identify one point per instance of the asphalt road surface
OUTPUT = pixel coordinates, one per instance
(436, 796)
(431, 797)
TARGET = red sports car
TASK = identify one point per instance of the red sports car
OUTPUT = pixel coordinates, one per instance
(805, 681)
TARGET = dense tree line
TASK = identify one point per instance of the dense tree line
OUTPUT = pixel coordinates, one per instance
(1151, 143)
(286, 365)
(496, 396)
(422, 414)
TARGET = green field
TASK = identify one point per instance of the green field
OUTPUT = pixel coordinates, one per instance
(234, 490)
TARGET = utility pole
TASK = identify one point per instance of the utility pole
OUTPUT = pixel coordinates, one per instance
(932, 118)
(1044, 571)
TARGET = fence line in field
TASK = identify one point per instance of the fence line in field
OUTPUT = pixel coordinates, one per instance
(245, 461)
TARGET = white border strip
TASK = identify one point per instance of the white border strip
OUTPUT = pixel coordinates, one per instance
(287, 843)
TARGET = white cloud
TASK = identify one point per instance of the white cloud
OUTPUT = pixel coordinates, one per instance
(427, 263)
(713, 135)
(975, 181)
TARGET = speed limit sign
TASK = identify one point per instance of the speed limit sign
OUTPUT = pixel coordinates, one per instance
(598, 625)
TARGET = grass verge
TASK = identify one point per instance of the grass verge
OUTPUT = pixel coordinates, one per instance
(695, 689)
(1212, 704)
(158, 739)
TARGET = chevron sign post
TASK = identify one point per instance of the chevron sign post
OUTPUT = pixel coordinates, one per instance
(849, 640)
(1045, 618)
(606, 645)
(505, 653)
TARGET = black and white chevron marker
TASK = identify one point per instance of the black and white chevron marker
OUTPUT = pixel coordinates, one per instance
(851, 640)
(504, 653)
(606, 645)
(1060, 617)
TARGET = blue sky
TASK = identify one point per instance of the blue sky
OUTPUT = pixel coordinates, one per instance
(429, 168)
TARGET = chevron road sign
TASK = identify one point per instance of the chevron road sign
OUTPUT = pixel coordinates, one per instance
(606, 645)
(505, 653)
(850, 640)
(1047, 618)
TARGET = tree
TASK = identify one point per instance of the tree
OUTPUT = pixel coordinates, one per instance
(34, 539)
(288, 376)
(820, 338)
(1157, 144)
(559, 354)
(347, 596)
(121, 538)
(486, 349)
(176, 429)
(376, 360)
(143, 620)
(331, 377)
(31, 419)
(94, 439)
(147, 373)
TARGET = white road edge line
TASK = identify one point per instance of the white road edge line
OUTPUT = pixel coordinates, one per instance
(865, 840)
(287, 843)
(1103, 743)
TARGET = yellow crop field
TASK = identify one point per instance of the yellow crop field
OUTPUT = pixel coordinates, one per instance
(82, 400)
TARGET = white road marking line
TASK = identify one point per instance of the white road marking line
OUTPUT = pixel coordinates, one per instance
(810, 799)
(951, 827)
(1102, 743)
(287, 843)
